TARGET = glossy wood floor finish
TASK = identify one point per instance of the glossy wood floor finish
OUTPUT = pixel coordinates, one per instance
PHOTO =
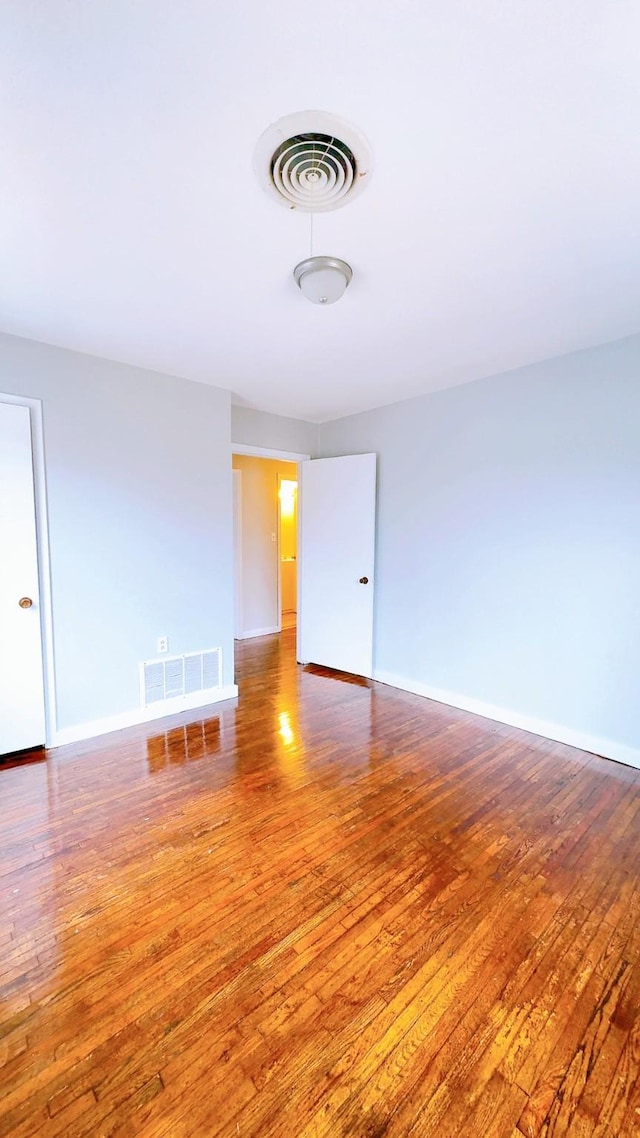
(333, 909)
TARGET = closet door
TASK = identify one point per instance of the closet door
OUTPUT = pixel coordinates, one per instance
(22, 718)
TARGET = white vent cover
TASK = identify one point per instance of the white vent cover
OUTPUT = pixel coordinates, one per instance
(313, 161)
(177, 677)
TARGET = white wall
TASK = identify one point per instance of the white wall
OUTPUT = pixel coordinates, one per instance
(508, 554)
(273, 432)
(140, 519)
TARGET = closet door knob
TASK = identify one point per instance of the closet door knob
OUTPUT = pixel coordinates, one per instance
(364, 580)
(25, 602)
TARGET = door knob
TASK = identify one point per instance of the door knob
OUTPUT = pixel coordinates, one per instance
(25, 602)
(364, 580)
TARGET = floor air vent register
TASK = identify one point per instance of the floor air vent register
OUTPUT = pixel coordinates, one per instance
(180, 677)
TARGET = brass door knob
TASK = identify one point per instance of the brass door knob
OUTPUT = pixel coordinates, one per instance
(25, 602)
(364, 580)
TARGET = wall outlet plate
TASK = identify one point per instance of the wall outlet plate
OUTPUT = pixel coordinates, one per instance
(163, 643)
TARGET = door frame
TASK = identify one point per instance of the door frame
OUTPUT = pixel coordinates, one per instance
(44, 559)
(236, 476)
(282, 456)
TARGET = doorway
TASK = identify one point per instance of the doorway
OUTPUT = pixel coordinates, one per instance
(265, 544)
(335, 524)
(288, 545)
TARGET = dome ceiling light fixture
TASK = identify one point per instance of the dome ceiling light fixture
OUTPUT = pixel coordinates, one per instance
(323, 280)
(314, 162)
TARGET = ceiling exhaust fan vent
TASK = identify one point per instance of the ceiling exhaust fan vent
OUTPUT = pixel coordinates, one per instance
(313, 161)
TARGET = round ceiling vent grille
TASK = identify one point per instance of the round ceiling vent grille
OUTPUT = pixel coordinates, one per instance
(313, 170)
(313, 161)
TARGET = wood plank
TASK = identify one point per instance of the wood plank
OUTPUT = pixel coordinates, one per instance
(398, 919)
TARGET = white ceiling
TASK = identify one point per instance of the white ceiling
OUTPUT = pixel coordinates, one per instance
(501, 225)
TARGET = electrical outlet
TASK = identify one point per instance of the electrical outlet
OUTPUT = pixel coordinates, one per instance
(163, 643)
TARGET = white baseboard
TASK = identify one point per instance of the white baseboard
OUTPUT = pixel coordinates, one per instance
(258, 632)
(139, 715)
(609, 749)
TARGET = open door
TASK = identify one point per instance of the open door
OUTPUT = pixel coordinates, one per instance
(336, 560)
(22, 718)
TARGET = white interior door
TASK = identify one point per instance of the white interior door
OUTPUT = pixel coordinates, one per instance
(337, 540)
(22, 719)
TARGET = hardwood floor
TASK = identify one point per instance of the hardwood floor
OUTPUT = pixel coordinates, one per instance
(333, 909)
